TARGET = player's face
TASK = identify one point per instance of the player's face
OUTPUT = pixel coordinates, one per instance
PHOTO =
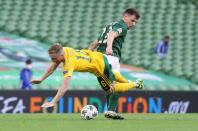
(166, 40)
(130, 20)
(55, 57)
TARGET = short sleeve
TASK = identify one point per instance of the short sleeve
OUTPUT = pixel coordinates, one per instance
(118, 28)
(68, 69)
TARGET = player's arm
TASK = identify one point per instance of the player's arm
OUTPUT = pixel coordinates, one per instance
(110, 38)
(49, 71)
(93, 45)
(59, 94)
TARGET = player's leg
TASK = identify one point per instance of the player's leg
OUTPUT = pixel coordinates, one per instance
(108, 77)
(112, 101)
(123, 87)
(119, 77)
(114, 62)
(117, 87)
(112, 98)
(106, 82)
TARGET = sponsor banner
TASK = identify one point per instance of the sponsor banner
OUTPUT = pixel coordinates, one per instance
(73, 101)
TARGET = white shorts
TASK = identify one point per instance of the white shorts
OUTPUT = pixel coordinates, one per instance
(114, 61)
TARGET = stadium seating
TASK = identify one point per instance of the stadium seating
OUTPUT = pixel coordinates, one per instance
(77, 23)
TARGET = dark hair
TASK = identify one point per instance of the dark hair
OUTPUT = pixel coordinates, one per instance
(132, 11)
(28, 61)
(166, 37)
(55, 48)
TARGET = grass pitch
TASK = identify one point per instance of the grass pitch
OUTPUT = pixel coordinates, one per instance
(73, 122)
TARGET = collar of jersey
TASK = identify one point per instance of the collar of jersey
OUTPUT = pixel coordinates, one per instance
(122, 22)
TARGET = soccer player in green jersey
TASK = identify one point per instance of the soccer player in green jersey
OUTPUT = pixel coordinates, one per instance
(110, 43)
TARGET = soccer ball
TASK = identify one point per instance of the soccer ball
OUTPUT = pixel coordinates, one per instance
(89, 112)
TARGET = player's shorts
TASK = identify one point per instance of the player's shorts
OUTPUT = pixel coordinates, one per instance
(114, 61)
(108, 77)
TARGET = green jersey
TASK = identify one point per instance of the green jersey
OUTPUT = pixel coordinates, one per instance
(119, 27)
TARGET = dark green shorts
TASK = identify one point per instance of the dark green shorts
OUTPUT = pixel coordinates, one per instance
(107, 77)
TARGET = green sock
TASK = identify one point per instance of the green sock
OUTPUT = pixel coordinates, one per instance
(107, 98)
(112, 101)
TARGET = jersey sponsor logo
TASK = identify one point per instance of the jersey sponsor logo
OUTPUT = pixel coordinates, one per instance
(120, 30)
(82, 57)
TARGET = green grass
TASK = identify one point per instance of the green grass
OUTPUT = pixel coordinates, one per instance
(73, 122)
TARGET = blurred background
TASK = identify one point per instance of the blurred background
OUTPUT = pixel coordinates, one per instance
(29, 27)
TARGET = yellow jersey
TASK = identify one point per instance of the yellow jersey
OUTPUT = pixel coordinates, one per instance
(82, 61)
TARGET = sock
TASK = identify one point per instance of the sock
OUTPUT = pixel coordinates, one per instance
(112, 101)
(119, 77)
(123, 87)
(107, 98)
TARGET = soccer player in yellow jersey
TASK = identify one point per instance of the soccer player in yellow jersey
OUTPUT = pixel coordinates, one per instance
(82, 61)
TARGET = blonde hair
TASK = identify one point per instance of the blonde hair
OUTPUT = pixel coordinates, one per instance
(55, 48)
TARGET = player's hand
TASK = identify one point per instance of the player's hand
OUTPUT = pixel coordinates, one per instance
(47, 104)
(36, 81)
(109, 51)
